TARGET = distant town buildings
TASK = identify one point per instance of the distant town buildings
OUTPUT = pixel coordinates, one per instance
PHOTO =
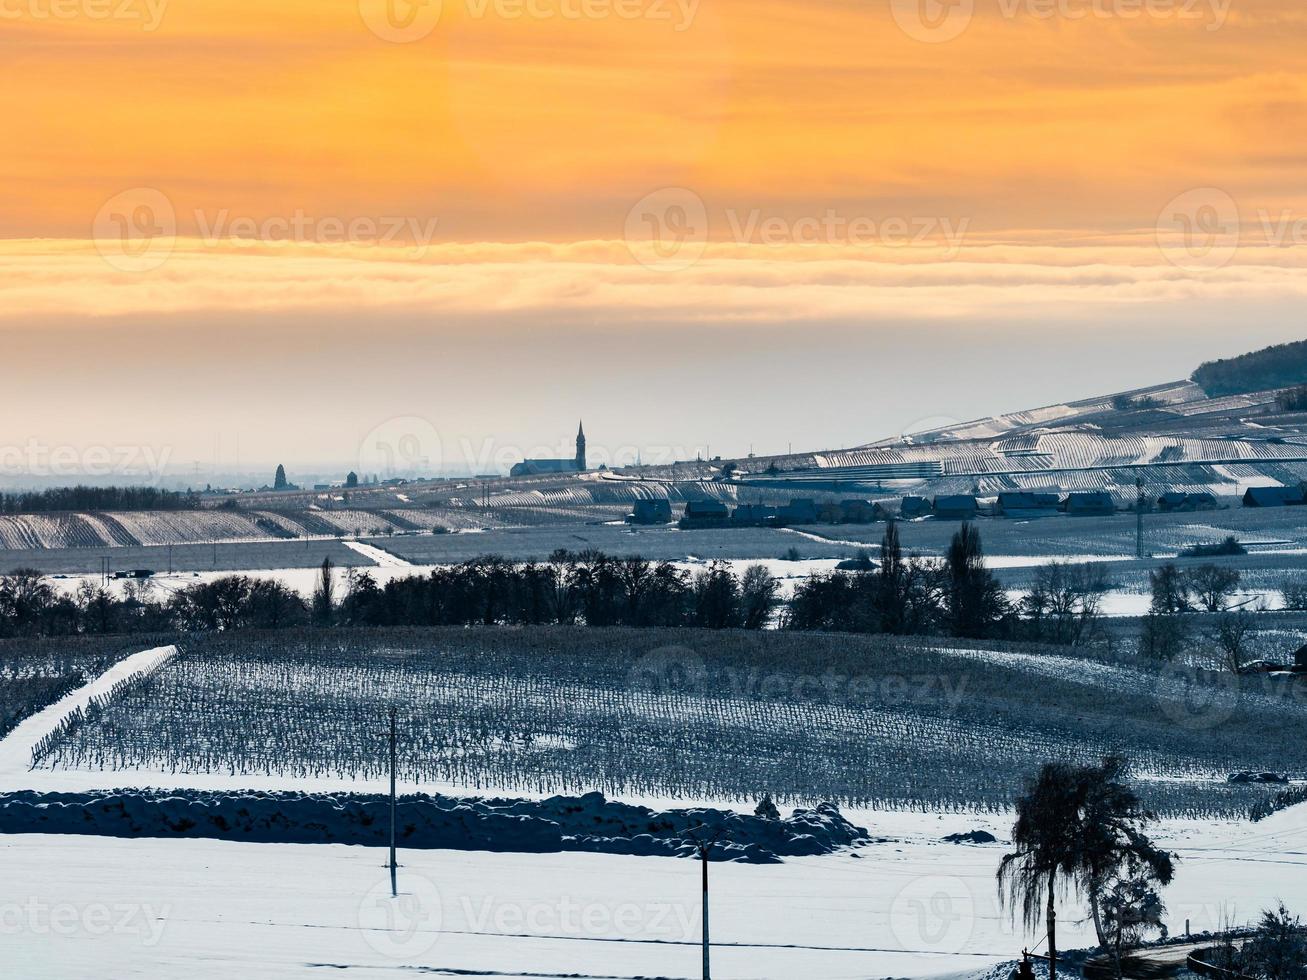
(1090, 503)
(1274, 497)
(1173, 501)
(956, 507)
(651, 512)
(537, 467)
(1024, 505)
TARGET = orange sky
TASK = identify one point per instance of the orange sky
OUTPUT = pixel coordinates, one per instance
(829, 162)
(532, 127)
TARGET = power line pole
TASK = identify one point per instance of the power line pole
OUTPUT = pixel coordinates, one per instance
(704, 846)
(703, 860)
(1139, 517)
(394, 890)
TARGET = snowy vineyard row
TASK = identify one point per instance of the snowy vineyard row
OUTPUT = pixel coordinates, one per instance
(144, 528)
(872, 722)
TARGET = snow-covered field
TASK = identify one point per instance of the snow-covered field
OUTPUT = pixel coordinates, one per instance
(913, 906)
(909, 905)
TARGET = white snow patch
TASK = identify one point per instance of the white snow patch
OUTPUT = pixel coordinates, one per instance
(380, 556)
(906, 908)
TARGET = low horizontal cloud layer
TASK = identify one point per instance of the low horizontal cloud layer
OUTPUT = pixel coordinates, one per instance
(722, 283)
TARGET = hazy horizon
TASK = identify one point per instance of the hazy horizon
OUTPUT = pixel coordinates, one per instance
(469, 413)
(240, 235)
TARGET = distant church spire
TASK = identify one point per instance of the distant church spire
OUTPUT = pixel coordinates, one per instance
(580, 447)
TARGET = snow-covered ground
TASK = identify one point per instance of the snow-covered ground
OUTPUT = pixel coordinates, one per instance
(377, 555)
(1123, 602)
(909, 905)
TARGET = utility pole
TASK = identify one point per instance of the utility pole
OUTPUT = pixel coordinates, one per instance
(1139, 517)
(704, 846)
(703, 861)
(394, 890)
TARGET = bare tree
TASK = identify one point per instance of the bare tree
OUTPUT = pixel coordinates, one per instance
(1213, 585)
(1065, 601)
(1231, 635)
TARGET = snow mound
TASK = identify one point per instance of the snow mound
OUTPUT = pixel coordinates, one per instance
(559, 823)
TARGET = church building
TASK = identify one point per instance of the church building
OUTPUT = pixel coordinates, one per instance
(537, 467)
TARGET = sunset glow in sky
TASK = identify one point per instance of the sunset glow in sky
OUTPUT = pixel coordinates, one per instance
(277, 225)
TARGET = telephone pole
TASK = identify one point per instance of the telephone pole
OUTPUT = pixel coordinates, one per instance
(703, 860)
(394, 890)
(704, 846)
(1139, 517)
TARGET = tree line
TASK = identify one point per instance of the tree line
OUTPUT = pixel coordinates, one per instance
(1280, 366)
(96, 498)
(906, 595)
(588, 588)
